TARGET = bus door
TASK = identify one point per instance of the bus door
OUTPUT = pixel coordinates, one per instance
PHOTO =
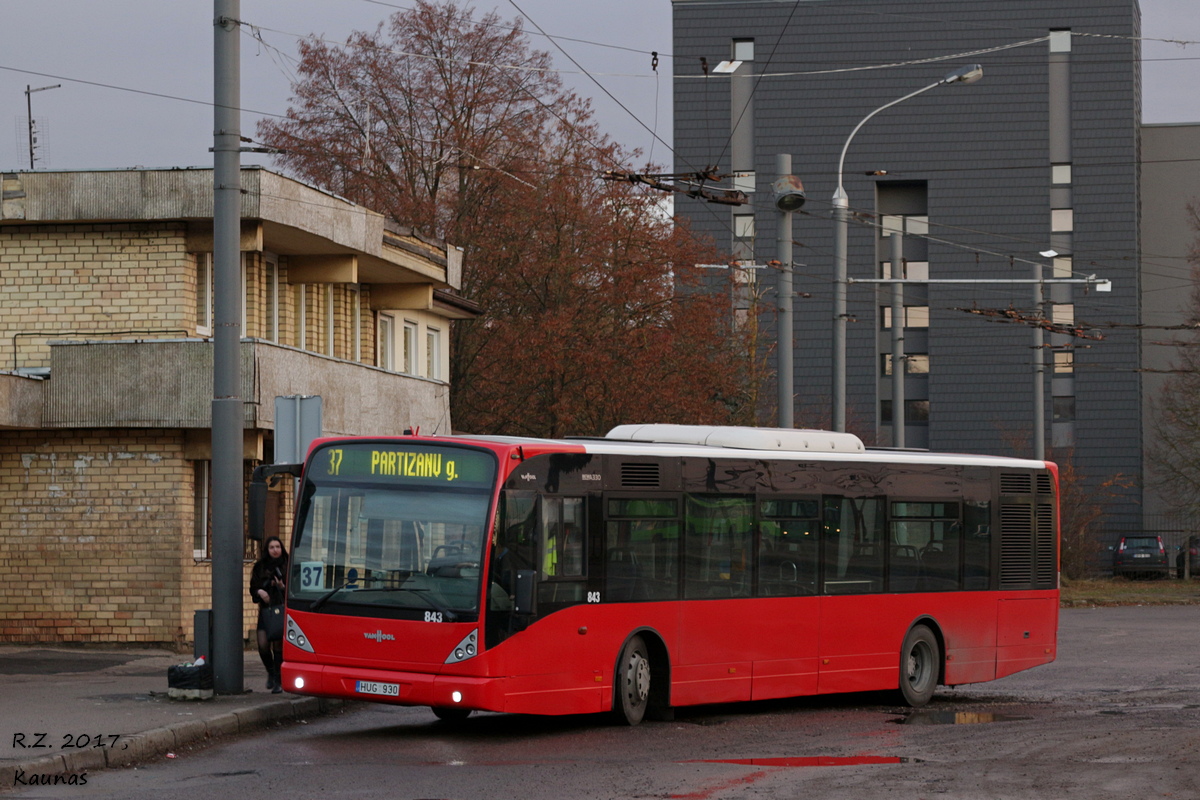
(547, 654)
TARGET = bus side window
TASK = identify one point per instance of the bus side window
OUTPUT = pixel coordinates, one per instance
(854, 544)
(641, 549)
(561, 549)
(977, 545)
(717, 546)
(788, 537)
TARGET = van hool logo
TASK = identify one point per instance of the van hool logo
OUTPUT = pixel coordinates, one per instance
(380, 636)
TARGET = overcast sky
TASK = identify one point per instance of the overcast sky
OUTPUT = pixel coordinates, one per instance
(132, 50)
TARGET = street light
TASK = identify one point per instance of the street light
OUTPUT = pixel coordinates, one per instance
(841, 219)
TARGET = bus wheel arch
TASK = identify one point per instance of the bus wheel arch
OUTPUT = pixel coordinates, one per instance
(922, 662)
(642, 678)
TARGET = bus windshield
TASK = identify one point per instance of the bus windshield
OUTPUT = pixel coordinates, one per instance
(392, 530)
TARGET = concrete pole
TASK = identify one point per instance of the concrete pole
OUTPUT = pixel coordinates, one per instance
(787, 328)
(898, 362)
(1039, 373)
(841, 222)
(228, 592)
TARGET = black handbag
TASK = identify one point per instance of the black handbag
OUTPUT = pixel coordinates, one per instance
(273, 623)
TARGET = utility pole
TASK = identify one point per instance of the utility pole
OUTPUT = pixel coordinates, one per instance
(29, 110)
(789, 196)
(1039, 365)
(227, 591)
(1039, 372)
(898, 362)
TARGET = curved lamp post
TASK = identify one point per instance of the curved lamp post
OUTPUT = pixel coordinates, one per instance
(841, 218)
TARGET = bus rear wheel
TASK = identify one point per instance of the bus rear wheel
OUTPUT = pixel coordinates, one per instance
(919, 662)
(446, 714)
(633, 681)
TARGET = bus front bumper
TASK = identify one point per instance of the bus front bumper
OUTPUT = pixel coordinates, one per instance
(395, 687)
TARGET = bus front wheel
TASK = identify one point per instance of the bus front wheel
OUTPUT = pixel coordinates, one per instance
(633, 681)
(919, 657)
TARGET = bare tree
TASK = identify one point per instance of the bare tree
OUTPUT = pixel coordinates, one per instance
(1176, 411)
(593, 313)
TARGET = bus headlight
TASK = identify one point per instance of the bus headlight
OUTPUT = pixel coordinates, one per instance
(464, 649)
(296, 636)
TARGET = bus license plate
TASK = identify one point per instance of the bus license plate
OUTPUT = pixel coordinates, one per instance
(371, 687)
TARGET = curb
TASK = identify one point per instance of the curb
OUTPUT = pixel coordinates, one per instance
(157, 742)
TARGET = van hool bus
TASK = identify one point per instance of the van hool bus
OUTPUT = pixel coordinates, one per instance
(661, 566)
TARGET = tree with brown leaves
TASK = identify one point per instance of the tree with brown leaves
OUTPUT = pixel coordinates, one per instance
(593, 316)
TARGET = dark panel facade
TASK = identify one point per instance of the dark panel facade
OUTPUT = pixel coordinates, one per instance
(983, 153)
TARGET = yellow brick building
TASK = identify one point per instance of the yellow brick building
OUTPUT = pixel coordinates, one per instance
(106, 377)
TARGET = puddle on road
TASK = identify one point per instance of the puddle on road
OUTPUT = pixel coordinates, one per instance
(956, 718)
(805, 761)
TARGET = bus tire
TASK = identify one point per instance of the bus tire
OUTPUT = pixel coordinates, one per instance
(920, 659)
(446, 714)
(633, 682)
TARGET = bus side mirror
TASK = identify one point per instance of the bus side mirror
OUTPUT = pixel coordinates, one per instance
(257, 495)
(523, 599)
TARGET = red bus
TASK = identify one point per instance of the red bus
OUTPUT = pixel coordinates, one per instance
(661, 566)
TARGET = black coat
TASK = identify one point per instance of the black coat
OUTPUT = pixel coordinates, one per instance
(262, 575)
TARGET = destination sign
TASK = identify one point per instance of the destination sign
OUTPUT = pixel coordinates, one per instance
(403, 463)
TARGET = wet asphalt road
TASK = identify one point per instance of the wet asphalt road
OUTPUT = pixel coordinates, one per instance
(1117, 716)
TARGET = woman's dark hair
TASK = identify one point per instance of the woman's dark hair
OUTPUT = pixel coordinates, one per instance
(266, 549)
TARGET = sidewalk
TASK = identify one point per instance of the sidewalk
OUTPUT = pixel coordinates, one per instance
(66, 711)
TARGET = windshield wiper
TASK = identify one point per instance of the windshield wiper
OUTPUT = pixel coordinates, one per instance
(434, 604)
(320, 601)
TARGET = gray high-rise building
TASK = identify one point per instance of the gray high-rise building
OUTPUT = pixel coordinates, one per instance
(1031, 171)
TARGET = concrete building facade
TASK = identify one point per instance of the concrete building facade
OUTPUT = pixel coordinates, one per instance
(983, 179)
(106, 389)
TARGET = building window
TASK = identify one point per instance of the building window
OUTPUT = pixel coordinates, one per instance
(743, 49)
(743, 237)
(1062, 313)
(243, 314)
(387, 342)
(914, 317)
(913, 270)
(302, 316)
(433, 353)
(1062, 220)
(916, 412)
(410, 348)
(914, 224)
(330, 321)
(204, 294)
(1064, 362)
(272, 331)
(1064, 267)
(1063, 408)
(743, 226)
(1060, 174)
(356, 328)
(914, 364)
(202, 521)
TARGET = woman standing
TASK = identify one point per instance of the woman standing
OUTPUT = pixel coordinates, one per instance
(268, 582)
